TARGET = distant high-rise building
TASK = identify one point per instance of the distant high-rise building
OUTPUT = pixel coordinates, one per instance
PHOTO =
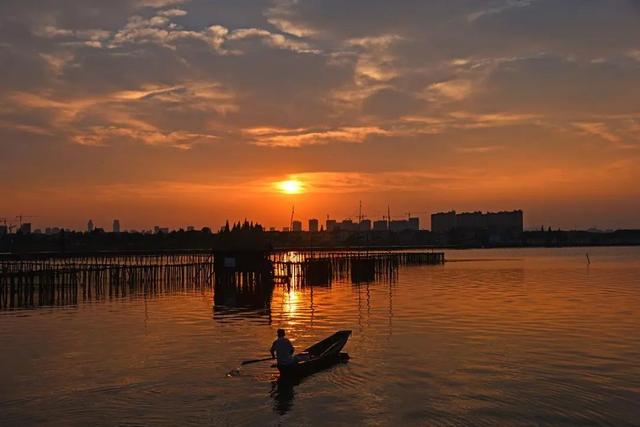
(414, 224)
(25, 228)
(365, 225)
(494, 222)
(116, 225)
(296, 226)
(471, 220)
(331, 225)
(501, 222)
(443, 222)
(90, 226)
(380, 225)
(313, 225)
(348, 225)
(399, 225)
(3, 230)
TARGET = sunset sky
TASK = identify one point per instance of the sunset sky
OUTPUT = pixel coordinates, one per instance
(178, 112)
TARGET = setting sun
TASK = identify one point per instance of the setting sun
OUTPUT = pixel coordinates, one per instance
(292, 186)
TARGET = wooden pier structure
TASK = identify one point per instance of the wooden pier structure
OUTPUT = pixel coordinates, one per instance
(321, 267)
(243, 278)
(32, 280)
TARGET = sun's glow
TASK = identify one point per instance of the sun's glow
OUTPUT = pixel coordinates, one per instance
(291, 186)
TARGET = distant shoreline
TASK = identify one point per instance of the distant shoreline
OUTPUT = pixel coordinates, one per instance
(254, 238)
(143, 252)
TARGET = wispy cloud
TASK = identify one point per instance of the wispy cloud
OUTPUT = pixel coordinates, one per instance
(57, 61)
(103, 136)
(173, 12)
(598, 129)
(478, 149)
(25, 128)
(375, 57)
(281, 16)
(119, 121)
(159, 29)
(634, 54)
(160, 3)
(455, 90)
(329, 182)
(508, 4)
(465, 120)
(477, 121)
(458, 180)
(274, 40)
(277, 137)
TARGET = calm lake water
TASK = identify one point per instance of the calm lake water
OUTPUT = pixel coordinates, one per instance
(495, 337)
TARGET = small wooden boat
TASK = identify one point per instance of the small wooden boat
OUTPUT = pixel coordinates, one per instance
(319, 356)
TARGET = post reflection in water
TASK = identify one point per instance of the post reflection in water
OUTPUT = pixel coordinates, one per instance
(242, 295)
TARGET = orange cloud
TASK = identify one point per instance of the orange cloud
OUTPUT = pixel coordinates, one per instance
(102, 136)
(455, 90)
(598, 129)
(277, 137)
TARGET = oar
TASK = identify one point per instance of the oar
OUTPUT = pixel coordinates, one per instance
(246, 362)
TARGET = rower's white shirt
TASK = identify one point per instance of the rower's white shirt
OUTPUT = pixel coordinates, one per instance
(284, 351)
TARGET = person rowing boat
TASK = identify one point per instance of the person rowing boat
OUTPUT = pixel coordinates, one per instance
(319, 356)
(283, 350)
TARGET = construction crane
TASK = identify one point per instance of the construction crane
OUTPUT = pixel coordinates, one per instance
(388, 217)
(8, 227)
(21, 217)
(293, 211)
(359, 215)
